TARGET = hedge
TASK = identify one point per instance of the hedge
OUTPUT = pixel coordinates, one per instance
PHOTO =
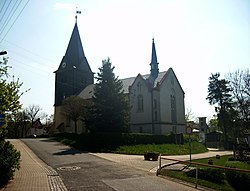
(210, 174)
(113, 139)
(238, 180)
(9, 161)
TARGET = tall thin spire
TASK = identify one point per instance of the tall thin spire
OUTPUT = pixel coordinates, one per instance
(154, 71)
(153, 57)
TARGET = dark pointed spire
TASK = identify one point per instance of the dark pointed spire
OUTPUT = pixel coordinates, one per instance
(153, 57)
(75, 73)
(154, 64)
(74, 55)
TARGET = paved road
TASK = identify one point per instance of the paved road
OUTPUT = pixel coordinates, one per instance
(84, 171)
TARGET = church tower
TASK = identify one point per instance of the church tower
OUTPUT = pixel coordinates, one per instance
(154, 71)
(74, 72)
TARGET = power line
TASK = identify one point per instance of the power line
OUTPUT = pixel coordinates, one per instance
(15, 20)
(30, 52)
(5, 11)
(2, 7)
(8, 17)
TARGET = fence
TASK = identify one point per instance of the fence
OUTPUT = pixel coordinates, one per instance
(194, 163)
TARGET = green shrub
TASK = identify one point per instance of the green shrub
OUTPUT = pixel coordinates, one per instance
(238, 180)
(9, 161)
(210, 174)
(116, 139)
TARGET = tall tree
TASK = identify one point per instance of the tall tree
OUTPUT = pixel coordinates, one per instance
(240, 85)
(74, 108)
(110, 111)
(219, 95)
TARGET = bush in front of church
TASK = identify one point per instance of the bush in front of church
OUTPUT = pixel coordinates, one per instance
(9, 161)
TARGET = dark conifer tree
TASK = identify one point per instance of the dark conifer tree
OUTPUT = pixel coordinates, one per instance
(110, 111)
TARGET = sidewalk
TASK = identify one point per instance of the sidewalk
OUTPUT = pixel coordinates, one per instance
(34, 174)
(137, 161)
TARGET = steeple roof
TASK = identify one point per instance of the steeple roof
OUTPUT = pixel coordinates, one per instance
(74, 56)
(154, 71)
(153, 57)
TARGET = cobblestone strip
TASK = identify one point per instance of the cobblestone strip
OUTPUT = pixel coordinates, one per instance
(55, 181)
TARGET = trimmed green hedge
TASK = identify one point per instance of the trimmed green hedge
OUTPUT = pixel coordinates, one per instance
(107, 140)
(9, 161)
(212, 175)
(238, 180)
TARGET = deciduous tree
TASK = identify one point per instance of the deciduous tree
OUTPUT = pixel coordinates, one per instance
(240, 86)
(74, 108)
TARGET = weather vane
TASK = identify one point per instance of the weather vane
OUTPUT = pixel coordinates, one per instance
(77, 12)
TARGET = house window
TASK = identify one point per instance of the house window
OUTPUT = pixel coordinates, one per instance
(140, 103)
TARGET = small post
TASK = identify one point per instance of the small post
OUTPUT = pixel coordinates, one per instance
(159, 166)
(190, 148)
(196, 177)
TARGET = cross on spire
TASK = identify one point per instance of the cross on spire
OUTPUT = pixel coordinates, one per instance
(77, 12)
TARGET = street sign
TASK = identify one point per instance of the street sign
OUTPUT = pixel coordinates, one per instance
(189, 130)
(2, 119)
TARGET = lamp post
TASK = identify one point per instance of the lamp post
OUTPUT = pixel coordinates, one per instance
(189, 132)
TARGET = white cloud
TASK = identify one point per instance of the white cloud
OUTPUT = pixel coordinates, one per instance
(65, 6)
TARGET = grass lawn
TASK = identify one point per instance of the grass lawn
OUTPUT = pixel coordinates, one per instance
(164, 149)
(218, 162)
(135, 149)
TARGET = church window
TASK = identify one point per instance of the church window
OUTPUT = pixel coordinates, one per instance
(140, 129)
(155, 116)
(155, 103)
(174, 129)
(139, 86)
(140, 103)
(64, 80)
(173, 109)
(172, 79)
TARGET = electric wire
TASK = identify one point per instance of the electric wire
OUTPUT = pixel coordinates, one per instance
(2, 7)
(15, 20)
(5, 12)
(8, 19)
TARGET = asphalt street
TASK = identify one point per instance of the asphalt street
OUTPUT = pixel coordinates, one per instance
(85, 171)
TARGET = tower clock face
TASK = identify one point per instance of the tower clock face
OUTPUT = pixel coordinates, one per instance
(64, 64)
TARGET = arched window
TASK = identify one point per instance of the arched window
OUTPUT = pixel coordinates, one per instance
(139, 86)
(173, 107)
(140, 103)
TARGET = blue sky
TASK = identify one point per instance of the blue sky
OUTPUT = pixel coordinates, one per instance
(194, 37)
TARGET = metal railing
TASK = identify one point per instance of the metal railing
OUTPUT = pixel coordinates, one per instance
(194, 163)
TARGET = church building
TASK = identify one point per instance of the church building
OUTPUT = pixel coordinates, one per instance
(156, 99)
